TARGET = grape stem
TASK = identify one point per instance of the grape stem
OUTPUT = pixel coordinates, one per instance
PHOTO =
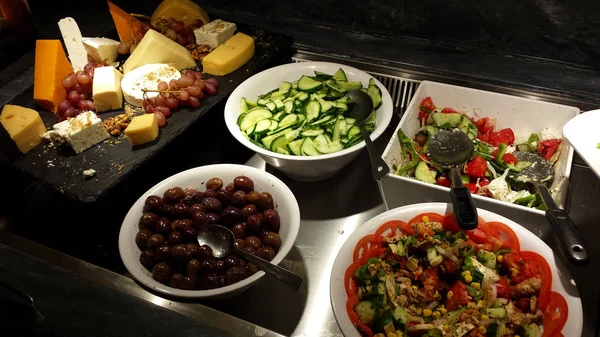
(169, 91)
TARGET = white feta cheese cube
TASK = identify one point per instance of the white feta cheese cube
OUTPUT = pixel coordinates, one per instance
(81, 132)
(214, 33)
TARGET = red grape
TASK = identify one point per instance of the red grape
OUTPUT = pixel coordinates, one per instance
(160, 118)
(84, 78)
(171, 34)
(194, 90)
(178, 26)
(146, 26)
(212, 81)
(200, 84)
(78, 88)
(73, 97)
(70, 112)
(198, 75)
(184, 94)
(185, 81)
(197, 23)
(163, 86)
(138, 35)
(89, 66)
(181, 39)
(189, 31)
(210, 89)
(160, 99)
(63, 106)
(190, 39)
(172, 103)
(149, 109)
(165, 111)
(91, 106)
(68, 82)
(82, 105)
(194, 102)
(173, 85)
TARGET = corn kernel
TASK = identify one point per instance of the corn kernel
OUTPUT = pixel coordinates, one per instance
(484, 317)
(482, 329)
(443, 310)
(467, 237)
(499, 258)
(468, 278)
(471, 305)
(446, 327)
(415, 288)
(476, 285)
(465, 273)
(514, 271)
(480, 303)
(437, 314)
(425, 218)
(449, 295)
(427, 312)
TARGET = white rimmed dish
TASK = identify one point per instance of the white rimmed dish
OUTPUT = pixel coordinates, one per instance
(304, 168)
(285, 203)
(529, 242)
(582, 133)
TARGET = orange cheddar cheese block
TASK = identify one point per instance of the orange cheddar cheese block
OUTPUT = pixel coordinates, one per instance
(123, 21)
(182, 10)
(51, 67)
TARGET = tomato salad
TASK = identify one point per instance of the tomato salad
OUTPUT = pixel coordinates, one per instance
(428, 278)
(487, 172)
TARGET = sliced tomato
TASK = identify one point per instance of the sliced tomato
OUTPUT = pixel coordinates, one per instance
(505, 136)
(423, 116)
(443, 181)
(484, 182)
(547, 148)
(523, 304)
(449, 111)
(460, 296)
(393, 226)
(484, 137)
(472, 187)
(448, 266)
(370, 246)
(484, 125)
(502, 288)
(350, 304)
(538, 266)
(433, 217)
(349, 283)
(427, 105)
(476, 167)
(504, 233)
(555, 315)
(431, 283)
(508, 158)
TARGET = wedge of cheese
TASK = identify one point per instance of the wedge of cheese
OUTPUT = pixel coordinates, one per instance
(182, 10)
(51, 67)
(142, 129)
(157, 48)
(24, 126)
(122, 21)
(101, 49)
(107, 89)
(229, 56)
(74, 43)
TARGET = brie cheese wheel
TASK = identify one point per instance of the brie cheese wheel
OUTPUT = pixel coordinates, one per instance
(107, 89)
(146, 77)
(101, 49)
(74, 43)
(214, 33)
(81, 132)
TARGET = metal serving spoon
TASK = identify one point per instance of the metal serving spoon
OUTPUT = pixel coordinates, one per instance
(540, 174)
(221, 240)
(362, 108)
(451, 150)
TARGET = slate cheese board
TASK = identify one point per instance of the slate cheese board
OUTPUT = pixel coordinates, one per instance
(114, 159)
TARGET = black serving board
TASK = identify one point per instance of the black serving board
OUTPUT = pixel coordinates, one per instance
(113, 160)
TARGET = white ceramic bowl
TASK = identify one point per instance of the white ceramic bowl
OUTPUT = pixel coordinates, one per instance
(285, 204)
(528, 241)
(304, 168)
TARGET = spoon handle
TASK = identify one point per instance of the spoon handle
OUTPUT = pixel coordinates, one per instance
(568, 239)
(290, 279)
(464, 208)
(378, 165)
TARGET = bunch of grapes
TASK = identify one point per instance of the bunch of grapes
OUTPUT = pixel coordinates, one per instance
(79, 92)
(188, 90)
(172, 28)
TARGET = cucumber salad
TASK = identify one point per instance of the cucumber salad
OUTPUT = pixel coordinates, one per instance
(306, 117)
(428, 278)
(493, 169)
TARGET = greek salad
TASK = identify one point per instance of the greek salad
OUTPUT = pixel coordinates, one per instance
(428, 278)
(488, 172)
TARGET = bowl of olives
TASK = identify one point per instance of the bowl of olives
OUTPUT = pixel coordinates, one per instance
(158, 244)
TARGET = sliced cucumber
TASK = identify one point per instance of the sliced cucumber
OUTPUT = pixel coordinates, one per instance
(262, 126)
(295, 147)
(320, 140)
(322, 120)
(307, 84)
(254, 116)
(334, 146)
(288, 120)
(271, 106)
(285, 86)
(375, 93)
(340, 75)
(250, 104)
(288, 107)
(308, 149)
(356, 85)
(312, 133)
(244, 106)
(313, 108)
